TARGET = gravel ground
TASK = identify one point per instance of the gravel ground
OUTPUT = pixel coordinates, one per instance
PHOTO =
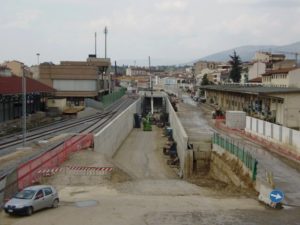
(145, 191)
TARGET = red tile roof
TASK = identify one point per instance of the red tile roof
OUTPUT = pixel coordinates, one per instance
(13, 85)
(255, 80)
(279, 71)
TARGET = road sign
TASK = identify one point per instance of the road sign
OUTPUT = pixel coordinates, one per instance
(276, 196)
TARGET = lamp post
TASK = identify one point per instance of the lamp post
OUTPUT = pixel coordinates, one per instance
(24, 107)
(38, 58)
(105, 33)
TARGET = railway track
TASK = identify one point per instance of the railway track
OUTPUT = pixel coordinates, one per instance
(83, 125)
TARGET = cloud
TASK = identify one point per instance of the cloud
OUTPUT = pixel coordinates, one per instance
(171, 5)
(262, 3)
(22, 20)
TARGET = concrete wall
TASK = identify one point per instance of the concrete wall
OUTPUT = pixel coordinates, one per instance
(109, 139)
(181, 138)
(273, 132)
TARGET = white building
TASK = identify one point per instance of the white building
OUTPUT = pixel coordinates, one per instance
(287, 77)
(256, 70)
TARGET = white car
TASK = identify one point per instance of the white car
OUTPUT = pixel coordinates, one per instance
(32, 199)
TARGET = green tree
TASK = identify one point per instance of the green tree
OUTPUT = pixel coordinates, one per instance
(236, 68)
(205, 80)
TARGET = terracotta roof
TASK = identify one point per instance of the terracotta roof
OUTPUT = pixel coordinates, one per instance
(279, 71)
(255, 80)
(13, 85)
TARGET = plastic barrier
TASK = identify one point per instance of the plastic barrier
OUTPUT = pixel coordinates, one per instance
(28, 173)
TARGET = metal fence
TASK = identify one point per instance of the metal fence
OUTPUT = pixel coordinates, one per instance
(249, 161)
(111, 98)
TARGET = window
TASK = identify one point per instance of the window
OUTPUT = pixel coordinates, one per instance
(48, 191)
(39, 194)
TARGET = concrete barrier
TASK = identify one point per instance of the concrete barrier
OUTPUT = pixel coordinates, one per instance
(110, 138)
(180, 136)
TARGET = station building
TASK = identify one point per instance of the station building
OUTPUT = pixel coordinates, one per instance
(11, 95)
(76, 80)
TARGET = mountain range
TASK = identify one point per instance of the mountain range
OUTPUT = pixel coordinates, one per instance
(247, 52)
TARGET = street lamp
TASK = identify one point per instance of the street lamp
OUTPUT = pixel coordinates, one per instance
(24, 106)
(105, 33)
(38, 58)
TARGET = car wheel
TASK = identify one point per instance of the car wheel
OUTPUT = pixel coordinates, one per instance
(29, 211)
(55, 203)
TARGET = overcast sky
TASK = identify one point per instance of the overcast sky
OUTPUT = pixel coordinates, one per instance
(170, 30)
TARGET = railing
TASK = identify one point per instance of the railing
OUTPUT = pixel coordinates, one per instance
(111, 98)
(249, 161)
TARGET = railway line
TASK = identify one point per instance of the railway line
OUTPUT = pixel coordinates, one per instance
(84, 125)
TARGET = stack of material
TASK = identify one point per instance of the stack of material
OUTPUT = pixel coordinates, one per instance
(236, 119)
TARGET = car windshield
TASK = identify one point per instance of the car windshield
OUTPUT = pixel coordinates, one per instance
(25, 194)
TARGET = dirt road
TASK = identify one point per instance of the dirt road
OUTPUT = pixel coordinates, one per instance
(147, 193)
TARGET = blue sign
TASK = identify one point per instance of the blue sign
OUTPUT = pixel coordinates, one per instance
(276, 196)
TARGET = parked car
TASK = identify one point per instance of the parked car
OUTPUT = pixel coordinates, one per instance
(32, 199)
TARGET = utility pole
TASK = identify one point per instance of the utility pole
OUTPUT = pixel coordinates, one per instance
(151, 86)
(24, 107)
(105, 33)
(96, 44)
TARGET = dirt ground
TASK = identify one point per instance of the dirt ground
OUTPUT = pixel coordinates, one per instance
(143, 190)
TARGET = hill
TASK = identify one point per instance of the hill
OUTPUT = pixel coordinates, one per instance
(247, 52)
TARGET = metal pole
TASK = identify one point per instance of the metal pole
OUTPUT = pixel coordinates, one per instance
(105, 33)
(38, 58)
(151, 87)
(24, 107)
(96, 44)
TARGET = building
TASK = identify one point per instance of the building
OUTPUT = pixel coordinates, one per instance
(200, 65)
(5, 71)
(287, 77)
(136, 71)
(11, 96)
(276, 104)
(76, 80)
(256, 69)
(18, 68)
(268, 57)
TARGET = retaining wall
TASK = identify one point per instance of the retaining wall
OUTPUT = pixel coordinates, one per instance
(222, 171)
(110, 138)
(180, 136)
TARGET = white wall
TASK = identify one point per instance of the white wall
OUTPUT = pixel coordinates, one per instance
(110, 138)
(75, 85)
(273, 132)
(256, 70)
(294, 78)
(179, 135)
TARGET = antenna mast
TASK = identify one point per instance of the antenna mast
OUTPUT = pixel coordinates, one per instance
(96, 44)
